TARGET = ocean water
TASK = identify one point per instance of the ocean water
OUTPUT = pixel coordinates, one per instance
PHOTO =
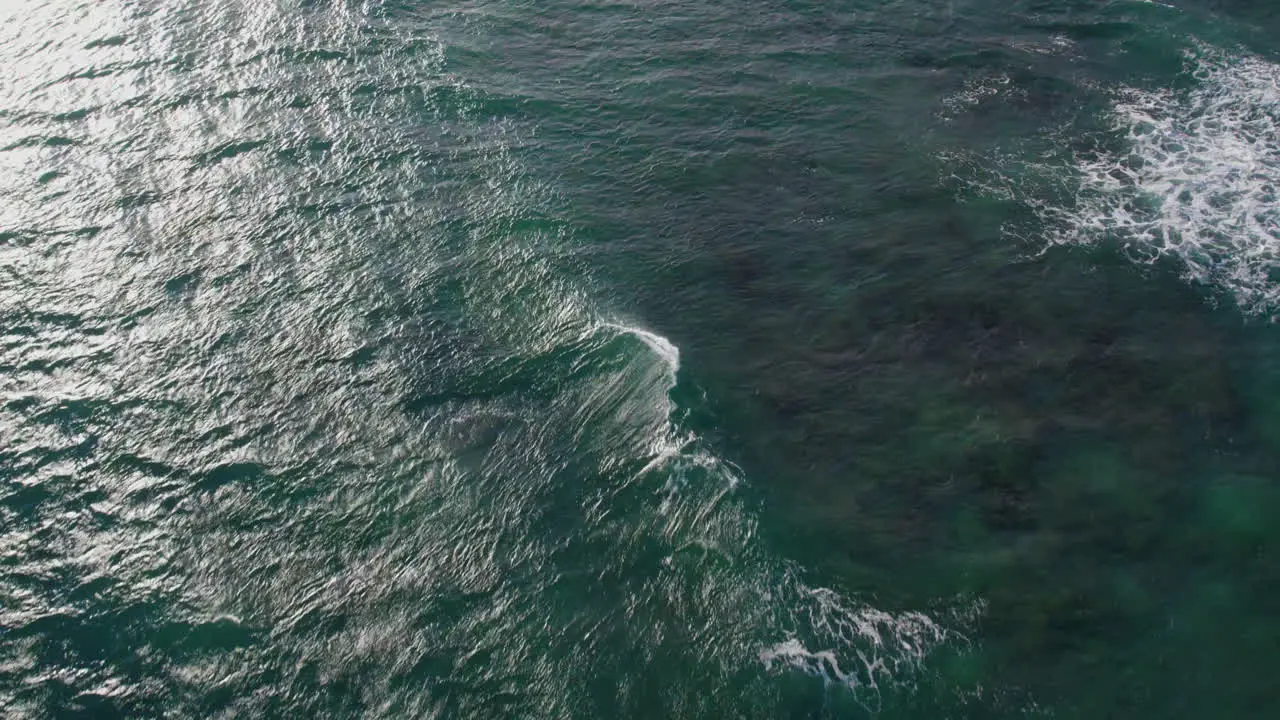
(846, 359)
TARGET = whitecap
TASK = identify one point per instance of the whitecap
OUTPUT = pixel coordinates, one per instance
(661, 346)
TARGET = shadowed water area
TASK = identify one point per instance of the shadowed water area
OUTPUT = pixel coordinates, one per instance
(908, 359)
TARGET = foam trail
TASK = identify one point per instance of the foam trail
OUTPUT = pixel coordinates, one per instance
(1201, 179)
(855, 645)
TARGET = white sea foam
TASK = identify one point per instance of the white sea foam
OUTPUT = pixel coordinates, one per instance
(1201, 177)
(1197, 179)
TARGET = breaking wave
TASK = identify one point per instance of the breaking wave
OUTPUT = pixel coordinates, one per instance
(841, 641)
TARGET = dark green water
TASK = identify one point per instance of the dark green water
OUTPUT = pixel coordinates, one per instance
(906, 359)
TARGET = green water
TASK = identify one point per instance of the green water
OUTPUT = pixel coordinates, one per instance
(907, 359)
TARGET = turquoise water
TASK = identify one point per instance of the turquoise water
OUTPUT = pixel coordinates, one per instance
(908, 359)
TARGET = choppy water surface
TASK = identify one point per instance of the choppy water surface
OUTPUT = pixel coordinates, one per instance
(852, 359)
